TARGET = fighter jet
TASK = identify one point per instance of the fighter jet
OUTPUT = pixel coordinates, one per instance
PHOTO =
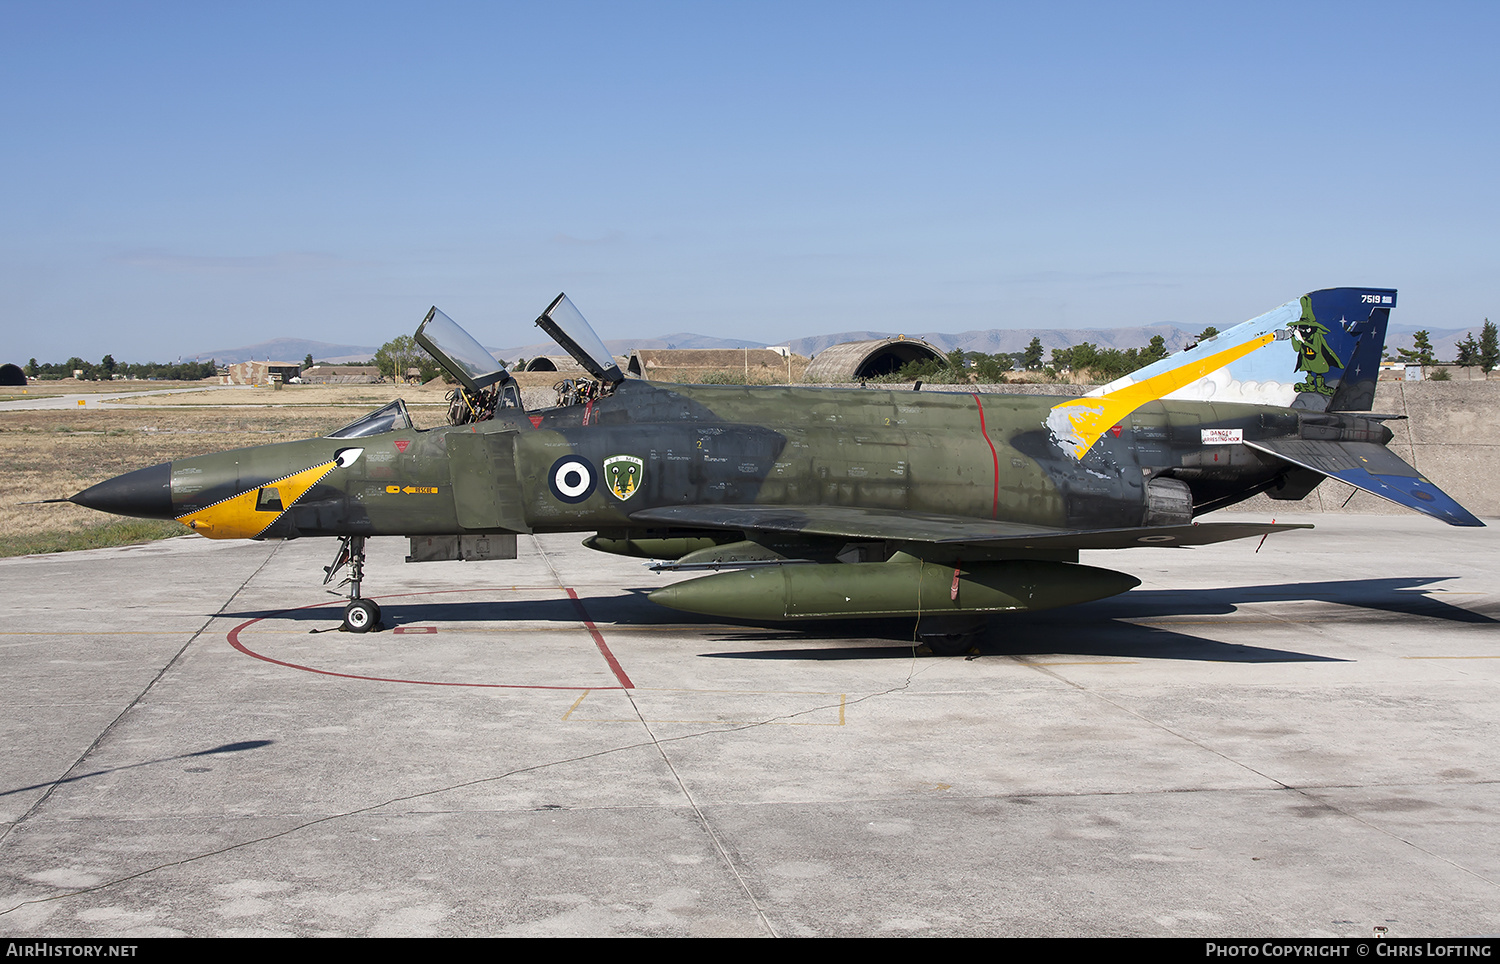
(810, 503)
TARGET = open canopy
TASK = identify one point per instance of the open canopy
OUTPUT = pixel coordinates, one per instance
(457, 351)
(567, 327)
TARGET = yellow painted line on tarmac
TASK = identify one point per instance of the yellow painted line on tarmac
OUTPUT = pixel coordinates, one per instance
(575, 705)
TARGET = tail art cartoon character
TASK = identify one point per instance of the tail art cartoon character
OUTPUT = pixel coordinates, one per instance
(1314, 355)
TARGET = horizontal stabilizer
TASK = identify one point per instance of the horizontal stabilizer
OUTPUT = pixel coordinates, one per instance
(850, 522)
(1373, 468)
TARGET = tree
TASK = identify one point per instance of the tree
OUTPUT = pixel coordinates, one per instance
(399, 354)
(307, 362)
(1155, 351)
(992, 368)
(1420, 353)
(1468, 352)
(1207, 333)
(33, 369)
(1489, 347)
(1033, 359)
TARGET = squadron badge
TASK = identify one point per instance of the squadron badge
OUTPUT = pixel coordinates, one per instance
(623, 475)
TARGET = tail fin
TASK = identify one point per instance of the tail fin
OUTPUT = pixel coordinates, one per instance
(1319, 352)
(1325, 355)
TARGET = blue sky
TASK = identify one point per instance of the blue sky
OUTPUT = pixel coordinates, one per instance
(180, 177)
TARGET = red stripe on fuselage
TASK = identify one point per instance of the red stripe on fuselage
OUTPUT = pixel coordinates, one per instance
(995, 504)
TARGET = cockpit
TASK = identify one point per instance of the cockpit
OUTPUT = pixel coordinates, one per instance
(484, 384)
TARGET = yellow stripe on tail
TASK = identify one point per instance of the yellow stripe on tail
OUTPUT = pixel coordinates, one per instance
(1079, 422)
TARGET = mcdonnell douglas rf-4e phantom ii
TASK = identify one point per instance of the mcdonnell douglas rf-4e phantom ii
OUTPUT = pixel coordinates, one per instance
(828, 503)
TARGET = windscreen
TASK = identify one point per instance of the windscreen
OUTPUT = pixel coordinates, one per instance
(457, 351)
(390, 418)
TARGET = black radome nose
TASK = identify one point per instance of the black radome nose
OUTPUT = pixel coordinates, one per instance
(144, 493)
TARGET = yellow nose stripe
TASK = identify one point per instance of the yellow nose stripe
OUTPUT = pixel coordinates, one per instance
(250, 513)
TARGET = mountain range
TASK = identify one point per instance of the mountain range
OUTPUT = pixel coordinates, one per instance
(990, 341)
(289, 350)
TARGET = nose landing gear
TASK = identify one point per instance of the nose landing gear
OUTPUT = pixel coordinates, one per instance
(361, 615)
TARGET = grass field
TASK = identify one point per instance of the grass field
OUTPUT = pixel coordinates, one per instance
(54, 454)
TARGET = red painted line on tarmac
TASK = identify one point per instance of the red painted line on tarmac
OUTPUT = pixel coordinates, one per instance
(237, 643)
(995, 505)
(609, 657)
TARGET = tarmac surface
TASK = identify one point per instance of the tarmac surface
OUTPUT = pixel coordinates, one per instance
(1300, 741)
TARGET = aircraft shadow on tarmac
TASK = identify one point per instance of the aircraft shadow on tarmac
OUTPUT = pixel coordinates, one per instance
(1106, 627)
(238, 747)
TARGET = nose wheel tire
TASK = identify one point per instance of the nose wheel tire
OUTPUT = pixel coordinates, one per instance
(361, 616)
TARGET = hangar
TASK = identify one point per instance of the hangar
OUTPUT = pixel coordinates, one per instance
(855, 360)
(553, 363)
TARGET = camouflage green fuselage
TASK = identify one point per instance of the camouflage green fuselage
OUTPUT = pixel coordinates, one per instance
(979, 456)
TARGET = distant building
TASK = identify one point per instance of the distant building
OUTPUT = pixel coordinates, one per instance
(259, 372)
(341, 375)
(1400, 372)
(12, 375)
(647, 362)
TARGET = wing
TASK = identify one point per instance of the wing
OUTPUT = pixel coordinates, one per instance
(923, 527)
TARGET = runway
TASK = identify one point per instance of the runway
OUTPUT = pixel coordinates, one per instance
(98, 400)
(1299, 741)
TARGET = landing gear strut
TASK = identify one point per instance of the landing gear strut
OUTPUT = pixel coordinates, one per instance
(361, 615)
